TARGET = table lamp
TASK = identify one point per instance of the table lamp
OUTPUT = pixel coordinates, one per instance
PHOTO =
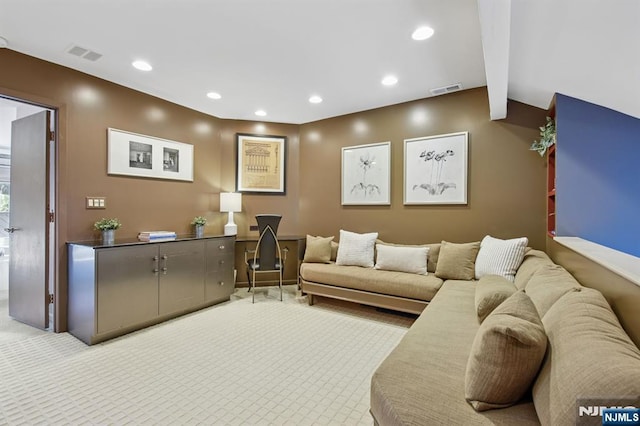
(230, 202)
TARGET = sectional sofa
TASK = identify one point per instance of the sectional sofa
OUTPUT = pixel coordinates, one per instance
(523, 349)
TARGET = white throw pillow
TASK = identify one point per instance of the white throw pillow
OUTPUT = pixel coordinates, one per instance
(356, 249)
(500, 257)
(402, 258)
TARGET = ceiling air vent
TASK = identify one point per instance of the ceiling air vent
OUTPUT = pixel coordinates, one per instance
(87, 54)
(446, 89)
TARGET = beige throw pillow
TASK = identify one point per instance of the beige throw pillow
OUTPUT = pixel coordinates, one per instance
(506, 354)
(318, 249)
(491, 291)
(590, 356)
(457, 261)
(402, 259)
(432, 258)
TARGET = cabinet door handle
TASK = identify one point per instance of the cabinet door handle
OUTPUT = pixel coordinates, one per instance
(155, 270)
(221, 247)
(155, 258)
(222, 262)
(165, 257)
(164, 271)
(221, 283)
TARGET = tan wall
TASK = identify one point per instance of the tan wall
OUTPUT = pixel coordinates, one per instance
(252, 204)
(506, 181)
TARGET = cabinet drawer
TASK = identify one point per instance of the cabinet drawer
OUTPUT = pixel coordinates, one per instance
(220, 246)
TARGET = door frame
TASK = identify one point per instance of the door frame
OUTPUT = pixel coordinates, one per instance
(58, 201)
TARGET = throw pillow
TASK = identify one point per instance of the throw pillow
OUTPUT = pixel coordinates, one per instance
(356, 249)
(402, 259)
(457, 261)
(589, 356)
(500, 257)
(491, 291)
(506, 354)
(432, 258)
(318, 249)
(334, 251)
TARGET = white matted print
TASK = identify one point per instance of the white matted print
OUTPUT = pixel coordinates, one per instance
(132, 154)
(366, 178)
(435, 169)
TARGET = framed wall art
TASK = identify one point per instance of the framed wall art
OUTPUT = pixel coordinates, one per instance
(366, 177)
(435, 169)
(261, 164)
(131, 154)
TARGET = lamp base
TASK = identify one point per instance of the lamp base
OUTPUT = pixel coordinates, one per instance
(231, 229)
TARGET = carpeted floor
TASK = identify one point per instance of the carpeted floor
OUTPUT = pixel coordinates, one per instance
(270, 362)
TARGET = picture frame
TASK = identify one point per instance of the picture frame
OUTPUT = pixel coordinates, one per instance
(435, 169)
(261, 166)
(366, 175)
(133, 154)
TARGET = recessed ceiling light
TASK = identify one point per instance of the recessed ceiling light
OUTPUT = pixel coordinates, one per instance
(422, 33)
(142, 65)
(389, 80)
(261, 113)
(315, 99)
(214, 95)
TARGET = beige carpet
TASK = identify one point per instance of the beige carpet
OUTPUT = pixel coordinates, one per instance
(238, 363)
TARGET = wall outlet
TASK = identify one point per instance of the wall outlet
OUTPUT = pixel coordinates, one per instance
(96, 202)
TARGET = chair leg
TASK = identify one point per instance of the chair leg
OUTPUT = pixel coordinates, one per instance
(253, 288)
(249, 280)
(280, 284)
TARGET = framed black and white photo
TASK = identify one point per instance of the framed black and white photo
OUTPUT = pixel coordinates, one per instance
(132, 154)
(261, 164)
(435, 169)
(366, 177)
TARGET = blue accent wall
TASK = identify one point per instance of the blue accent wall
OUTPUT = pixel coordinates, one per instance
(598, 175)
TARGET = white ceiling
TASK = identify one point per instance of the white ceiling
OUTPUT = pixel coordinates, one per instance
(274, 55)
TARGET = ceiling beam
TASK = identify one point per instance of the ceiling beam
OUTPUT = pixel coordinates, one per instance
(495, 29)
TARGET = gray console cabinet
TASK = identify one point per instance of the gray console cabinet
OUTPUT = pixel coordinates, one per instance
(116, 289)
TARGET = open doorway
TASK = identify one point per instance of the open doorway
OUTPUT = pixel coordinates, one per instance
(12, 111)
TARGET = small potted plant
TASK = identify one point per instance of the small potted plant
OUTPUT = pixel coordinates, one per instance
(108, 228)
(199, 222)
(547, 137)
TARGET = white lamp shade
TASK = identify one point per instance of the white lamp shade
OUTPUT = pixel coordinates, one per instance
(230, 202)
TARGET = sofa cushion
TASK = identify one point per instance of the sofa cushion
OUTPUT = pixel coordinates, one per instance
(318, 249)
(432, 257)
(356, 249)
(589, 356)
(334, 251)
(401, 284)
(412, 260)
(548, 284)
(506, 355)
(500, 257)
(457, 261)
(491, 291)
(533, 259)
(421, 382)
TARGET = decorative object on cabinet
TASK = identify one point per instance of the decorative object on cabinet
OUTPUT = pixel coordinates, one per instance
(267, 256)
(435, 169)
(230, 202)
(547, 137)
(261, 164)
(108, 228)
(132, 154)
(366, 176)
(118, 289)
(199, 222)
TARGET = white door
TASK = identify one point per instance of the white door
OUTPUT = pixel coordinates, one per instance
(29, 221)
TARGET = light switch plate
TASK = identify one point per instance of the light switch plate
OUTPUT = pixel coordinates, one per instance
(96, 202)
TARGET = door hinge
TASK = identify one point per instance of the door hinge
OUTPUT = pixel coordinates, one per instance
(52, 136)
(51, 299)
(52, 217)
